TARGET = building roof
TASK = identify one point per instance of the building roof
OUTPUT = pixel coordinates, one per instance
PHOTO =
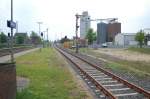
(20, 34)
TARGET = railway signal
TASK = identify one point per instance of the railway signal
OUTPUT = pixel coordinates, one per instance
(76, 31)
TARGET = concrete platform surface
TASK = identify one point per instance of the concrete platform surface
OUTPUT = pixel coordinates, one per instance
(6, 58)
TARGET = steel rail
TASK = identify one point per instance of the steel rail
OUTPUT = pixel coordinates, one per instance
(125, 82)
(98, 85)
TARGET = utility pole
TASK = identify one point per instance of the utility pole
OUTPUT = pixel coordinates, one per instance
(47, 38)
(47, 34)
(40, 30)
(11, 38)
(77, 18)
(16, 26)
(40, 27)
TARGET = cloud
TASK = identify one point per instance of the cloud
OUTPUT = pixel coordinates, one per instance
(59, 15)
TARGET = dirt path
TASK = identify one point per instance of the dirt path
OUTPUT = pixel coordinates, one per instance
(124, 54)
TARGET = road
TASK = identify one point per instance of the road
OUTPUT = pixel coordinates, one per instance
(7, 57)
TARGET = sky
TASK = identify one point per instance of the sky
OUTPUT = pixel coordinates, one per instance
(59, 15)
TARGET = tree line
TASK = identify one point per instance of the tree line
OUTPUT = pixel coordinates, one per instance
(21, 39)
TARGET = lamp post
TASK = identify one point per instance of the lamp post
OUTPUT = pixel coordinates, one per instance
(11, 37)
(40, 29)
(47, 38)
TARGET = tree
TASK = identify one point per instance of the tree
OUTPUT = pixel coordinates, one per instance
(91, 36)
(33, 34)
(20, 39)
(140, 38)
(35, 39)
(3, 38)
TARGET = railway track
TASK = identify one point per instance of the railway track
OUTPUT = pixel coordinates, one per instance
(106, 84)
(6, 51)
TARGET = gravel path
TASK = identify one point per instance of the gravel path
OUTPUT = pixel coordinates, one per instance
(124, 54)
(7, 57)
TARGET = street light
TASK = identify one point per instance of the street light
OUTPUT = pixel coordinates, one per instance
(40, 29)
(47, 38)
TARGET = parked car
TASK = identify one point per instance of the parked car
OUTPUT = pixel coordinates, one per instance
(104, 45)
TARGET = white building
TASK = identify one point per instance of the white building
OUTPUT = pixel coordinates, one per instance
(125, 39)
(85, 24)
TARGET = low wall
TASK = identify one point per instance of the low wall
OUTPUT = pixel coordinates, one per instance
(7, 81)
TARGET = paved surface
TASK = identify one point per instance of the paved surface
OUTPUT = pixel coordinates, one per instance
(7, 57)
(22, 83)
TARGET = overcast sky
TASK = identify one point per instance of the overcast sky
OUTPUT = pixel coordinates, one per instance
(59, 15)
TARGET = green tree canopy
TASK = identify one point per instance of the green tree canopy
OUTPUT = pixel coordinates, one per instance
(3, 38)
(140, 38)
(33, 34)
(20, 39)
(91, 36)
(35, 39)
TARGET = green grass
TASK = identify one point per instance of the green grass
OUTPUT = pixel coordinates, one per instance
(141, 50)
(49, 78)
(84, 50)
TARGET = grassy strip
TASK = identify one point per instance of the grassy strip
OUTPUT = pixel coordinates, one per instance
(49, 78)
(141, 50)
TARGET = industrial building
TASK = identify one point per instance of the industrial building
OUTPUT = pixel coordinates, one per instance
(125, 39)
(85, 24)
(112, 30)
(106, 32)
(101, 33)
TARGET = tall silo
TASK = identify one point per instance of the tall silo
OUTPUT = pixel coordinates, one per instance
(85, 24)
(101, 33)
(113, 30)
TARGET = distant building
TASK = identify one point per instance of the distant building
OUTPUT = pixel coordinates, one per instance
(125, 39)
(101, 33)
(85, 24)
(106, 32)
(112, 30)
(24, 35)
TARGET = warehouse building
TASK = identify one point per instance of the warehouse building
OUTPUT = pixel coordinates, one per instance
(125, 39)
